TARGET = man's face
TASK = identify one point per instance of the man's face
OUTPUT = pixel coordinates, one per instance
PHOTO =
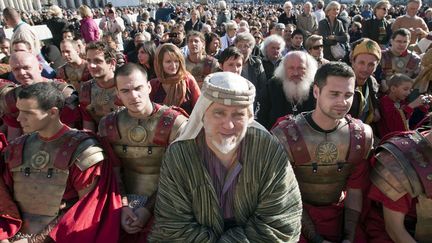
(400, 44)
(133, 90)
(225, 126)
(31, 117)
(295, 68)
(273, 51)
(245, 48)
(335, 99)
(142, 26)
(4, 48)
(364, 66)
(67, 36)
(288, 8)
(97, 65)
(26, 69)
(233, 65)
(69, 53)
(231, 32)
(195, 45)
(412, 8)
(306, 8)
(297, 41)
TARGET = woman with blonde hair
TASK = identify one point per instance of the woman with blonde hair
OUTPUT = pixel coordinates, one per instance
(174, 85)
(88, 28)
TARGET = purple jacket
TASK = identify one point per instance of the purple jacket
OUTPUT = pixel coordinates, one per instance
(89, 30)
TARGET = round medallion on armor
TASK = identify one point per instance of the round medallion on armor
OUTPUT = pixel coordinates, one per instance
(400, 63)
(40, 160)
(326, 152)
(137, 134)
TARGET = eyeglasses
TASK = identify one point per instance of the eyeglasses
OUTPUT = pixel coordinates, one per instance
(317, 47)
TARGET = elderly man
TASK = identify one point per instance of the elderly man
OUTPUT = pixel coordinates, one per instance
(225, 178)
(365, 58)
(230, 33)
(272, 48)
(27, 71)
(329, 152)
(307, 21)
(198, 63)
(288, 16)
(416, 25)
(290, 90)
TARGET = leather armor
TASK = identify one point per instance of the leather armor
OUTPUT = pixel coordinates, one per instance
(98, 101)
(140, 145)
(404, 165)
(323, 162)
(40, 171)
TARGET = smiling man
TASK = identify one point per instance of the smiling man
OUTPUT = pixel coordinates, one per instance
(329, 151)
(226, 178)
(139, 134)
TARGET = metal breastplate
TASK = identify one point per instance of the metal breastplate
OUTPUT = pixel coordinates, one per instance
(322, 179)
(141, 158)
(102, 102)
(38, 185)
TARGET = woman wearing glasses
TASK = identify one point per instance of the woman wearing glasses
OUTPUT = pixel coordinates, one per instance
(314, 46)
(378, 28)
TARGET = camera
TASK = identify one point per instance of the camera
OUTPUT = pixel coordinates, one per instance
(172, 35)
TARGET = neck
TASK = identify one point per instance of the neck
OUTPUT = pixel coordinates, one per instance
(106, 81)
(323, 121)
(77, 63)
(194, 57)
(361, 82)
(393, 97)
(144, 113)
(51, 130)
(396, 53)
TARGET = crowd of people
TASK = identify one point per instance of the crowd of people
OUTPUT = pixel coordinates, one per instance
(200, 122)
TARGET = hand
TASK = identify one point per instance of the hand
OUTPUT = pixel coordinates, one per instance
(143, 217)
(421, 100)
(331, 37)
(420, 32)
(127, 218)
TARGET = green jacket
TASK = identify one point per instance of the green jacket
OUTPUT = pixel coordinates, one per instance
(267, 203)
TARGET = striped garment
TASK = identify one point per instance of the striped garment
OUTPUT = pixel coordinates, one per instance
(267, 203)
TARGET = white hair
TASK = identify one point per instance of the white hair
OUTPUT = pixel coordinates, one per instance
(272, 39)
(287, 3)
(222, 5)
(298, 91)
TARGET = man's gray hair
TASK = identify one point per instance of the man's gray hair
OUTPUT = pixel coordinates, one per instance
(245, 36)
(311, 65)
(272, 39)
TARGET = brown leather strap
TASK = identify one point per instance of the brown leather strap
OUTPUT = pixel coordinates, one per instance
(295, 140)
(357, 148)
(63, 157)
(15, 151)
(163, 128)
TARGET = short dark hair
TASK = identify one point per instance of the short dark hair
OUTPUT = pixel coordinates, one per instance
(298, 32)
(229, 52)
(338, 69)
(45, 93)
(403, 32)
(128, 69)
(109, 52)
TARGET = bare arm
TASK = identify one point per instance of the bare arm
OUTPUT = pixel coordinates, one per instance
(394, 224)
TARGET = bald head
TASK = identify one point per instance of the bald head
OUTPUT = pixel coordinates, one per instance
(26, 68)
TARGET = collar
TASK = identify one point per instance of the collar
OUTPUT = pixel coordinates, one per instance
(18, 25)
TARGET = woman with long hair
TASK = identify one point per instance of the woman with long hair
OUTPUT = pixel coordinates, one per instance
(174, 85)
(146, 55)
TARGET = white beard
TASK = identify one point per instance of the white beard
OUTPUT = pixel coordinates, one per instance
(226, 146)
(298, 92)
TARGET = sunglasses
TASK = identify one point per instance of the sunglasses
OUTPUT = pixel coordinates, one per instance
(317, 47)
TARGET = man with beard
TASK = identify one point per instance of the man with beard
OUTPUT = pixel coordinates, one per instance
(75, 71)
(271, 49)
(27, 71)
(226, 178)
(139, 135)
(290, 90)
(328, 151)
(98, 95)
(197, 62)
(365, 57)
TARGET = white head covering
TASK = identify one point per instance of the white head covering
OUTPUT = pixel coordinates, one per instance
(225, 88)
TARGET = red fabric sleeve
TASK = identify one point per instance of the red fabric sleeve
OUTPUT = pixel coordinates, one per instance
(78, 179)
(359, 177)
(391, 119)
(403, 205)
